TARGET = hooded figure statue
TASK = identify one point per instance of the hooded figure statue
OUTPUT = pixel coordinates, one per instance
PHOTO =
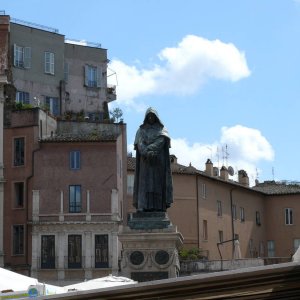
(153, 189)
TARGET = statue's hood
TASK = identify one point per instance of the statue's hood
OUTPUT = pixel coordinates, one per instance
(152, 110)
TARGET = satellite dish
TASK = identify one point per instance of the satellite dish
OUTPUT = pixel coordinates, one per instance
(230, 171)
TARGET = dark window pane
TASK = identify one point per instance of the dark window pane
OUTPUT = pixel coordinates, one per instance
(74, 251)
(101, 251)
(48, 252)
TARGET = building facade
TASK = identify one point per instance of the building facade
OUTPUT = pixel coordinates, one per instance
(65, 162)
(211, 210)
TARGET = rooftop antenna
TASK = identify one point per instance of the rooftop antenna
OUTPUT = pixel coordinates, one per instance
(225, 155)
(273, 173)
(218, 157)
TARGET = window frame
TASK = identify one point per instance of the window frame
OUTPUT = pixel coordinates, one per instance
(19, 194)
(288, 216)
(219, 208)
(257, 218)
(49, 63)
(75, 160)
(101, 251)
(75, 254)
(23, 97)
(19, 154)
(221, 236)
(271, 250)
(48, 251)
(92, 76)
(22, 57)
(75, 204)
(242, 214)
(18, 242)
(205, 230)
(234, 212)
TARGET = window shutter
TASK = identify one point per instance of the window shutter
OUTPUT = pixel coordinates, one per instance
(46, 62)
(99, 77)
(15, 55)
(27, 57)
(86, 75)
(52, 63)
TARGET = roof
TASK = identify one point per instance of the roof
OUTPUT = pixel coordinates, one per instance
(277, 188)
(92, 137)
(176, 168)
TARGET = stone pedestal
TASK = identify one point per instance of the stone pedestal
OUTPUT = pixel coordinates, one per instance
(149, 247)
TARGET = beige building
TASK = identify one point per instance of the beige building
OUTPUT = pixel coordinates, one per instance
(210, 208)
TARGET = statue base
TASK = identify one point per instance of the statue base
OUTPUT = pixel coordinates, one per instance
(150, 253)
(148, 220)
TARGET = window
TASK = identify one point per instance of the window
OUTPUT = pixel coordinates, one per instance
(22, 97)
(221, 239)
(75, 198)
(257, 217)
(271, 248)
(261, 249)
(251, 250)
(242, 214)
(22, 57)
(49, 63)
(203, 190)
(48, 252)
(19, 144)
(219, 208)
(234, 212)
(205, 232)
(74, 251)
(101, 251)
(52, 104)
(75, 160)
(18, 239)
(92, 76)
(288, 216)
(19, 194)
(296, 244)
(130, 184)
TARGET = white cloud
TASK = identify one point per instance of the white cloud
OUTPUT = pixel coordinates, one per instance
(181, 70)
(246, 147)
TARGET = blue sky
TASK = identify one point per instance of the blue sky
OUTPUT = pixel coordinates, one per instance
(218, 72)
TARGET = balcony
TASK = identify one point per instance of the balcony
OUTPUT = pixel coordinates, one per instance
(111, 93)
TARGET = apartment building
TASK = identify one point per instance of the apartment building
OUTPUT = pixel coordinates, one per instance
(64, 76)
(65, 162)
(211, 210)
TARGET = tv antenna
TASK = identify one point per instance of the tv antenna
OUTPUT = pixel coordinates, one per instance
(225, 155)
(230, 171)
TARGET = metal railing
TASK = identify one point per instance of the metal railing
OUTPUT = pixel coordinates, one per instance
(34, 25)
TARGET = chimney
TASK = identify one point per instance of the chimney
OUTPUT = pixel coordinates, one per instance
(243, 178)
(224, 173)
(209, 167)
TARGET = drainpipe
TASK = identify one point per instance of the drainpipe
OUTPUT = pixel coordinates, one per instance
(232, 221)
(198, 221)
(27, 202)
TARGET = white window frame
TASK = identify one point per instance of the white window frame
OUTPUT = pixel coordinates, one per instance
(22, 57)
(288, 213)
(92, 76)
(49, 62)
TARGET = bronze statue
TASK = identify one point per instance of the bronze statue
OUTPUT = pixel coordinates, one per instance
(153, 189)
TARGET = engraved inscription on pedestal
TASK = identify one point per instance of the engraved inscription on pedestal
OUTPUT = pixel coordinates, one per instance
(148, 276)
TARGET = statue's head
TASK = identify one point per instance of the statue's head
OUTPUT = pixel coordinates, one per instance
(152, 117)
